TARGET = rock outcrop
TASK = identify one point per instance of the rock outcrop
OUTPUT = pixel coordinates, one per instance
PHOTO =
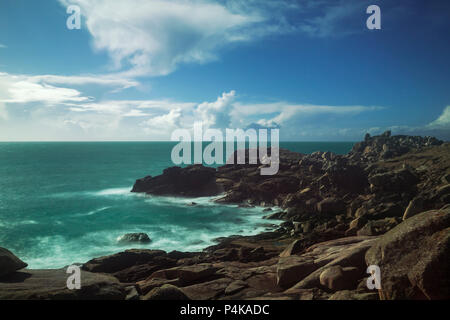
(192, 181)
(52, 284)
(9, 263)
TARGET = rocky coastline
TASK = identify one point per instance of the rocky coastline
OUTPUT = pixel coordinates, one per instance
(385, 203)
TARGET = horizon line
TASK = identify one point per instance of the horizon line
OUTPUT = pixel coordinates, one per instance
(93, 141)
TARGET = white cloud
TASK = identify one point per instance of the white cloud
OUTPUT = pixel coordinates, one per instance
(163, 104)
(144, 119)
(100, 108)
(2, 46)
(23, 89)
(216, 114)
(103, 80)
(442, 122)
(283, 111)
(162, 125)
(136, 113)
(43, 88)
(153, 37)
(3, 112)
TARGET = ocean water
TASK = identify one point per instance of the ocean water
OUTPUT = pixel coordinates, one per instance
(62, 203)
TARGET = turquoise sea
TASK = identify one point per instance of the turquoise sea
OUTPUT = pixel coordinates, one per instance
(67, 202)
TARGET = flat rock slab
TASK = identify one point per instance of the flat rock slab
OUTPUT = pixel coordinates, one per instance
(414, 257)
(52, 284)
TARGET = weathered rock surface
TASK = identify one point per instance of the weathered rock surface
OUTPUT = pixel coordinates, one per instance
(414, 257)
(337, 278)
(52, 284)
(344, 252)
(292, 269)
(134, 237)
(9, 263)
(353, 295)
(192, 181)
(166, 292)
(131, 265)
(186, 274)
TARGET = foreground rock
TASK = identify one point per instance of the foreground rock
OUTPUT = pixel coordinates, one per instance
(52, 284)
(322, 259)
(131, 265)
(9, 263)
(414, 257)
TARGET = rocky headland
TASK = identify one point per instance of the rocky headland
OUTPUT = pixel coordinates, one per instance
(385, 203)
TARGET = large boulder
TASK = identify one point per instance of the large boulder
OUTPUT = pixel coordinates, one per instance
(134, 237)
(377, 227)
(414, 257)
(52, 284)
(292, 249)
(394, 181)
(192, 181)
(131, 265)
(331, 206)
(344, 252)
(9, 263)
(122, 260)
(292, 269)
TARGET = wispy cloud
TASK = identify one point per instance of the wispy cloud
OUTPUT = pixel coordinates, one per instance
(284, 111)
(102, 80)
(22, 89)
(43, 88)
(443, 122)
(3, 46)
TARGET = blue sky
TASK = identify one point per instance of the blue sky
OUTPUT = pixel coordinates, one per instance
(138, 70)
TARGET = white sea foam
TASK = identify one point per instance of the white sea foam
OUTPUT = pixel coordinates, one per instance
(113, 192)
(124, 191)
(90, 213)
(58, 251)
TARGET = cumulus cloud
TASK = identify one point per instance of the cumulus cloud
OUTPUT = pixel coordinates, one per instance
(162, 125)
(217, 113)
